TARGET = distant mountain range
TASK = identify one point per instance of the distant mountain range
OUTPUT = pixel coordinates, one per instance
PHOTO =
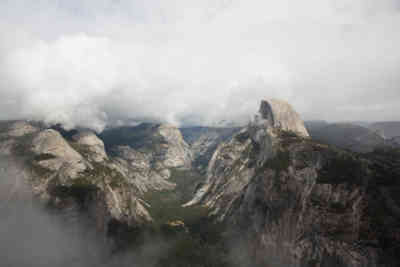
(354, 136)
(388, 129)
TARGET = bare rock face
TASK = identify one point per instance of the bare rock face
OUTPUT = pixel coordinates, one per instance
(67, 174)
(203, 141)
(299, 203)
(176, 151)
(63, 171)
(70, 170)
(57, 154)
(228, 173)
(139, 168)
(279, 114)
(91, 145)
(147, 152)
(275, 117)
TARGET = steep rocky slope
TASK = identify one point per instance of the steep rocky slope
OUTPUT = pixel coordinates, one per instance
(274, 113)
(203, 142)
(67, 168)
(272, 196)
(76, 168)
(123, 208)
(300, 203)
(92, 146)
(77, 173)
(146, 153)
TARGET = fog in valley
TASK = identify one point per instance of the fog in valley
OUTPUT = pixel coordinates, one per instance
(187, 133)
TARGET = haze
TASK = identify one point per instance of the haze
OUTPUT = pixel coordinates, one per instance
(92, 63)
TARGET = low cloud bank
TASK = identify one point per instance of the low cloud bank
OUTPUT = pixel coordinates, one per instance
(90, 63)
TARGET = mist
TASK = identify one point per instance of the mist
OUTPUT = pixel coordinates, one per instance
(35, 235)
(94, 63)
(32, 236)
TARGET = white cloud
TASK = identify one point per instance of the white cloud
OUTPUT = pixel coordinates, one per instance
(88, 62)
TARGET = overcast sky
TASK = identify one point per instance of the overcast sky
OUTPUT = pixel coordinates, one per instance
(91, 62)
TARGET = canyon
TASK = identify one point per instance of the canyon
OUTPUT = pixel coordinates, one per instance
(268, 189)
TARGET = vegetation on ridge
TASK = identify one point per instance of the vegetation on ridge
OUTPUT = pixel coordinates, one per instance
(192, 238)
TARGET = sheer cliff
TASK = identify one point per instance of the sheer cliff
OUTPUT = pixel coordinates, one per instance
(75, 169)
(301, 203)
(270, 194)
(203, 142)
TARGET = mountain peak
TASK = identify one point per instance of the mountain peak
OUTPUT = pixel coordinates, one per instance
(279, 114)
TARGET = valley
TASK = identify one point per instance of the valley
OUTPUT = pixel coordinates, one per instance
(266, 194)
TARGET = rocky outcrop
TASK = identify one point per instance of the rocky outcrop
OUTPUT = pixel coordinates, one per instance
(78, 173)
(71, 169)
(175, 152)
(140, 169)
(275, 113)
(292, 201)
(146, 154)
(55, 154)
(237, 157)
(91, 145)
(203, 142)
(226, 175)
(300, 203)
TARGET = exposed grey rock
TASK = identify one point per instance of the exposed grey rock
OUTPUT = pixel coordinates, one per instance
(58, 173)
(279, 114)
(94, 145)
(176, 152)
(146, 153)
(61, 156)
(73, 173)
(274, 117)
(300, 203)
(226, 175)
(113, 186)
(203, 142)
(138, 166)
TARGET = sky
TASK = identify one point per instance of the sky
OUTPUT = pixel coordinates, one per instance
(91, 63)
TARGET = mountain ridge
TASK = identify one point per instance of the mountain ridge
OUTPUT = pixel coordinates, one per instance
(290, 200)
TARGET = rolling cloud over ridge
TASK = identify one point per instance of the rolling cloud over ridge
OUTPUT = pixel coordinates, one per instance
(89, 63)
